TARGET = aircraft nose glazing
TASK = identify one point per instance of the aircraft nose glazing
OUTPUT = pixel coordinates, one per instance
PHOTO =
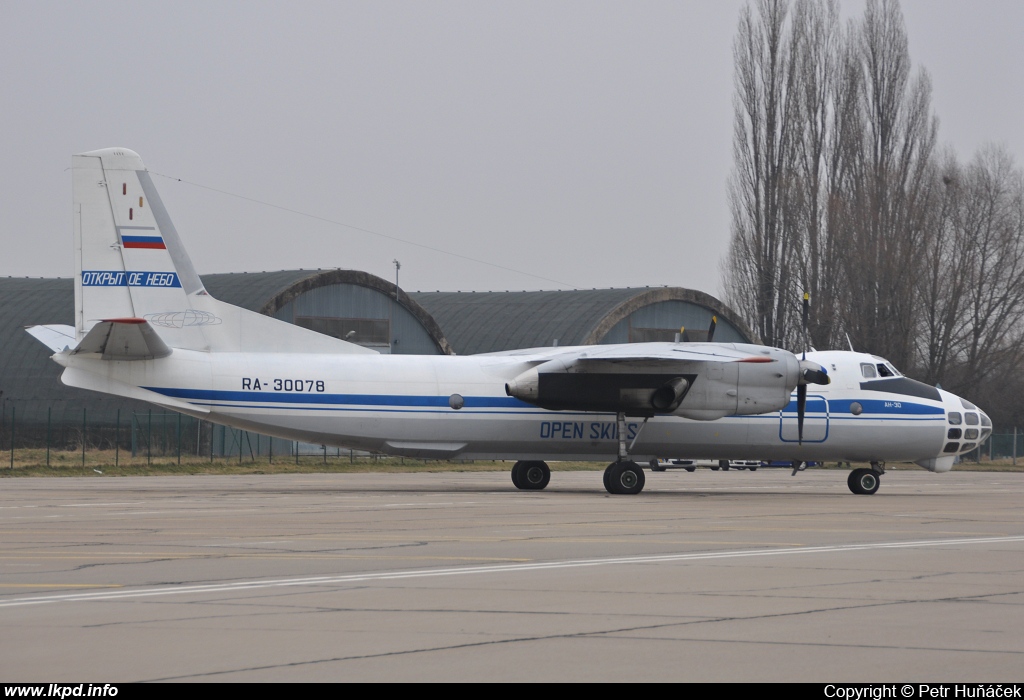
(967, 426)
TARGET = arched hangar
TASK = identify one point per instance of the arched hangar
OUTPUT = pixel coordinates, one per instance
(364, 309)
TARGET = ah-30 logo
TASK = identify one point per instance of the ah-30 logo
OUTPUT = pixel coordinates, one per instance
(121, 278)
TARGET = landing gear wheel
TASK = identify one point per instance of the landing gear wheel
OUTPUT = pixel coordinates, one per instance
(624, 478)
(655, 466)
(863, 482)
(515, 475)
(534, 476)
(723, 464)
(691, 469)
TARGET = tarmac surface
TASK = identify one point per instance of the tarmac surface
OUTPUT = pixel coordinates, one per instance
(705, 576)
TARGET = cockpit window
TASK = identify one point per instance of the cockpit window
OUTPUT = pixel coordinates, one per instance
(955, 418)
(884, 370)
(868, 370)
(971, 418)
(985, 420)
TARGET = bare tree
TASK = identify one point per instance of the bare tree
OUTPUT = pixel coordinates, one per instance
(991, 223)
(760, 264)
(943, 279)
(838, 190)
(889, 197)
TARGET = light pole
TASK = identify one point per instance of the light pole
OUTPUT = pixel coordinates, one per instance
(391, 338)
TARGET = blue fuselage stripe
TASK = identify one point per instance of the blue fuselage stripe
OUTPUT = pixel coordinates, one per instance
(335, 399)
(837, 410)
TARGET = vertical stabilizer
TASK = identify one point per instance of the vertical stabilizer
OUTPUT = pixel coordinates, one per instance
(130, 261)
(131, 264)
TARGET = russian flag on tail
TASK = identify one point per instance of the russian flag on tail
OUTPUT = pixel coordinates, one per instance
(152, 242)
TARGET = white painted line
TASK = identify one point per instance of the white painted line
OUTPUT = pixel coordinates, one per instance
(497, 568)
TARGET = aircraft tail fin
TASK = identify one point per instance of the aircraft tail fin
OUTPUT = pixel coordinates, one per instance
(130, 265)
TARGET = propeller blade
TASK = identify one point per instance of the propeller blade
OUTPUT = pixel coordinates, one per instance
(807, 305)
(711, 329)
(801, 404)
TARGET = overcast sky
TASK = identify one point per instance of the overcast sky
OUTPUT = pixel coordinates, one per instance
(569, 144)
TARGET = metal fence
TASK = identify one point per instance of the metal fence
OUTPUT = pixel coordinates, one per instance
(155, 433)
(145, 433)
(999, 446)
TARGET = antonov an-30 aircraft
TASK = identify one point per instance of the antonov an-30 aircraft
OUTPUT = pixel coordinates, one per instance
(145, 328)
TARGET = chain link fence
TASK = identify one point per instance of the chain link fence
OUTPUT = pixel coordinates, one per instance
(140, 433)
(153, 433)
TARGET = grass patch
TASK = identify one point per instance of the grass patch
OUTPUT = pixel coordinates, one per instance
(33, 462)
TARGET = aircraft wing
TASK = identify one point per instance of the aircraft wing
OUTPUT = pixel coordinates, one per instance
(697, 380)
(644, 352)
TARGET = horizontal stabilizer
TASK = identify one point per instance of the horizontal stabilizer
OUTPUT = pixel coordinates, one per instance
(123, 339)
(57, 338)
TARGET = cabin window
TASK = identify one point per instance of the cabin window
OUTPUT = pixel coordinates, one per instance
(954, 434)
(868, 370)
(952, 447)
(955, 418)
(971, 434)
(971, 419)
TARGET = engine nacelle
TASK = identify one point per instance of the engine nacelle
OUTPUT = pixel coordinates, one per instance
(701, 390)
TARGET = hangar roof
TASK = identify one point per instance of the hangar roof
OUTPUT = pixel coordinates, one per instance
(476, 322)
(473, 322)
(267, 292)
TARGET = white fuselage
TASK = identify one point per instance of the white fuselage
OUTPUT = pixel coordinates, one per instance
(403, 405)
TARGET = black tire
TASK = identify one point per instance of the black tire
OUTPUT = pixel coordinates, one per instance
(624, 478)
(751, 469)
(723, 464)
(515, 475)
(657, 469)
(714, 469)
(863, 482)
(656, 466)
(534, 476)
(691, 469)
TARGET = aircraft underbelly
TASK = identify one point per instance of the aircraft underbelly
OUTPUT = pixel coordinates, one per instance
(554, 435)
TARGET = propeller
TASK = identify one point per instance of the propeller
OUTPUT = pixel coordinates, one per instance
(810, 373)
(801, 389)
(711, 328)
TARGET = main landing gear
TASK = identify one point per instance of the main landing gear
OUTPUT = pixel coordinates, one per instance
(866, 481)
(624, 476)
(530, 475)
